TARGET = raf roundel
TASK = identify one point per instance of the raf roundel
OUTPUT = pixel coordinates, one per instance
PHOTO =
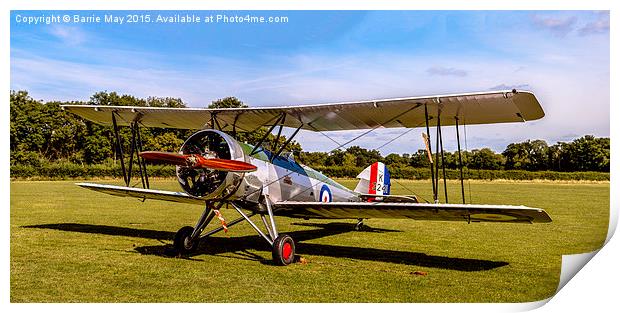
(326, 194)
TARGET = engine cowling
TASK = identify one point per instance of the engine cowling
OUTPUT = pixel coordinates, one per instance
(208, 183)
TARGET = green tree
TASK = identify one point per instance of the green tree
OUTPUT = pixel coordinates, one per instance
(587, 154)
(313, 158)
(485, 158)
(395, 159)
(27, 138)
(349, 160)
(420, 159)
(167, 141)
(227, 103)
(334, 158)
(364, 157)
(113, 98)
(527, 155)
(166, 102)
(42, 131)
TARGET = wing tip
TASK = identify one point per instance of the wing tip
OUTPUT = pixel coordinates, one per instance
(530, 104)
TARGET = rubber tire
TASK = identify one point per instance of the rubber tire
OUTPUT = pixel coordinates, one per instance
(179, 241)
(278, 252)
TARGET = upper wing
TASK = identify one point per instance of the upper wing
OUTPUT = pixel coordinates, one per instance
(123, 191)
(416, 211)
(471, 108)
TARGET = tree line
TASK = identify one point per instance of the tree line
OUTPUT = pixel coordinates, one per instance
(42, 133)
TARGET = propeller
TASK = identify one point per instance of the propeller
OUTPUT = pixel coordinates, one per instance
(427, 143)
(197, 161)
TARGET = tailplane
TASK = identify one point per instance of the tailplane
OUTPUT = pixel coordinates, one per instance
(374, 180)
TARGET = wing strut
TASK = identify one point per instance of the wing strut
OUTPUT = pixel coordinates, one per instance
(273, 156)
(430, 148)
(458, 144)
(275, 142)
(119, 148)
(260, 142)
(135, 148)
(143, 173)
(443, 161)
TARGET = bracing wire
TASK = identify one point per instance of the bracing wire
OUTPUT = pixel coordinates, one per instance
(411, 191)
(328, 137)
(374, 128)
(389, 142)
(393, 139)
(334, 149)
(385, 144)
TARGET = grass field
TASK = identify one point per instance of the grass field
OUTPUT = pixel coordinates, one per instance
(73, 245)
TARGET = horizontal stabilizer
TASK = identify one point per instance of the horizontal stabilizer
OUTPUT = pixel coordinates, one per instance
(123, 191)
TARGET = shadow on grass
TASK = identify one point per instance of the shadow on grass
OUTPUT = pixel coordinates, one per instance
(238, 247)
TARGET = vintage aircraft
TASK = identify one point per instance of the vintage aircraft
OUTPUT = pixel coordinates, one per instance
(216, 170)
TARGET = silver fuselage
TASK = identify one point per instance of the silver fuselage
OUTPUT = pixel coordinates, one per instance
(278, 177)
(284, 179)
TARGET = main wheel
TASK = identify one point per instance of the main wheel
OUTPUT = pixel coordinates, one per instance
(283, 251)
(182, 241)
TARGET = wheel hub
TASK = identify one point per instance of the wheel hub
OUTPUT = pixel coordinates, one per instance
(188, 243)
(286, 250)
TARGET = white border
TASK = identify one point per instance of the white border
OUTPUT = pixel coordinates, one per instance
(593, 287)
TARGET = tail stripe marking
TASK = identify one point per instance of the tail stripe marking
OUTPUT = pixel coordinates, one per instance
(372, 186)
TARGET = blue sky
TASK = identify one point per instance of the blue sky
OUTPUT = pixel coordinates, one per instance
(329, 56)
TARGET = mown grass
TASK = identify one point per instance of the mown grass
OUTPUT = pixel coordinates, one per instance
(73, 245)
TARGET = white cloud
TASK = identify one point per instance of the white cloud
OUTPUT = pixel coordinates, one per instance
(70, 35)
(446, 71)
(600, 26)
(557, 25)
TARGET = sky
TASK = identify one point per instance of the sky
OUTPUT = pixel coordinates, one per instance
(330, 56)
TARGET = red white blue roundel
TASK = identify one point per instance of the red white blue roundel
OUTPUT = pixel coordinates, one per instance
(326, 194)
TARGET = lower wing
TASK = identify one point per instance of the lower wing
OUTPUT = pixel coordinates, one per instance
(335, 210)
(140, 193)
(416, 211)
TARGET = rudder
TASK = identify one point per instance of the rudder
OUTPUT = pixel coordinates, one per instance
(374, 180)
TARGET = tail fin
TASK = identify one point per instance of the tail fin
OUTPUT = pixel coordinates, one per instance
(374, 180)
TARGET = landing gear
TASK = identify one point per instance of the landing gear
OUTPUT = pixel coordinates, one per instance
(282, 246)
(186, 239)
(360, 224)
(283, 250)
(183, 242)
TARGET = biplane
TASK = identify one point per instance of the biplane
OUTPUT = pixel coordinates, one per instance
(217, 171)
